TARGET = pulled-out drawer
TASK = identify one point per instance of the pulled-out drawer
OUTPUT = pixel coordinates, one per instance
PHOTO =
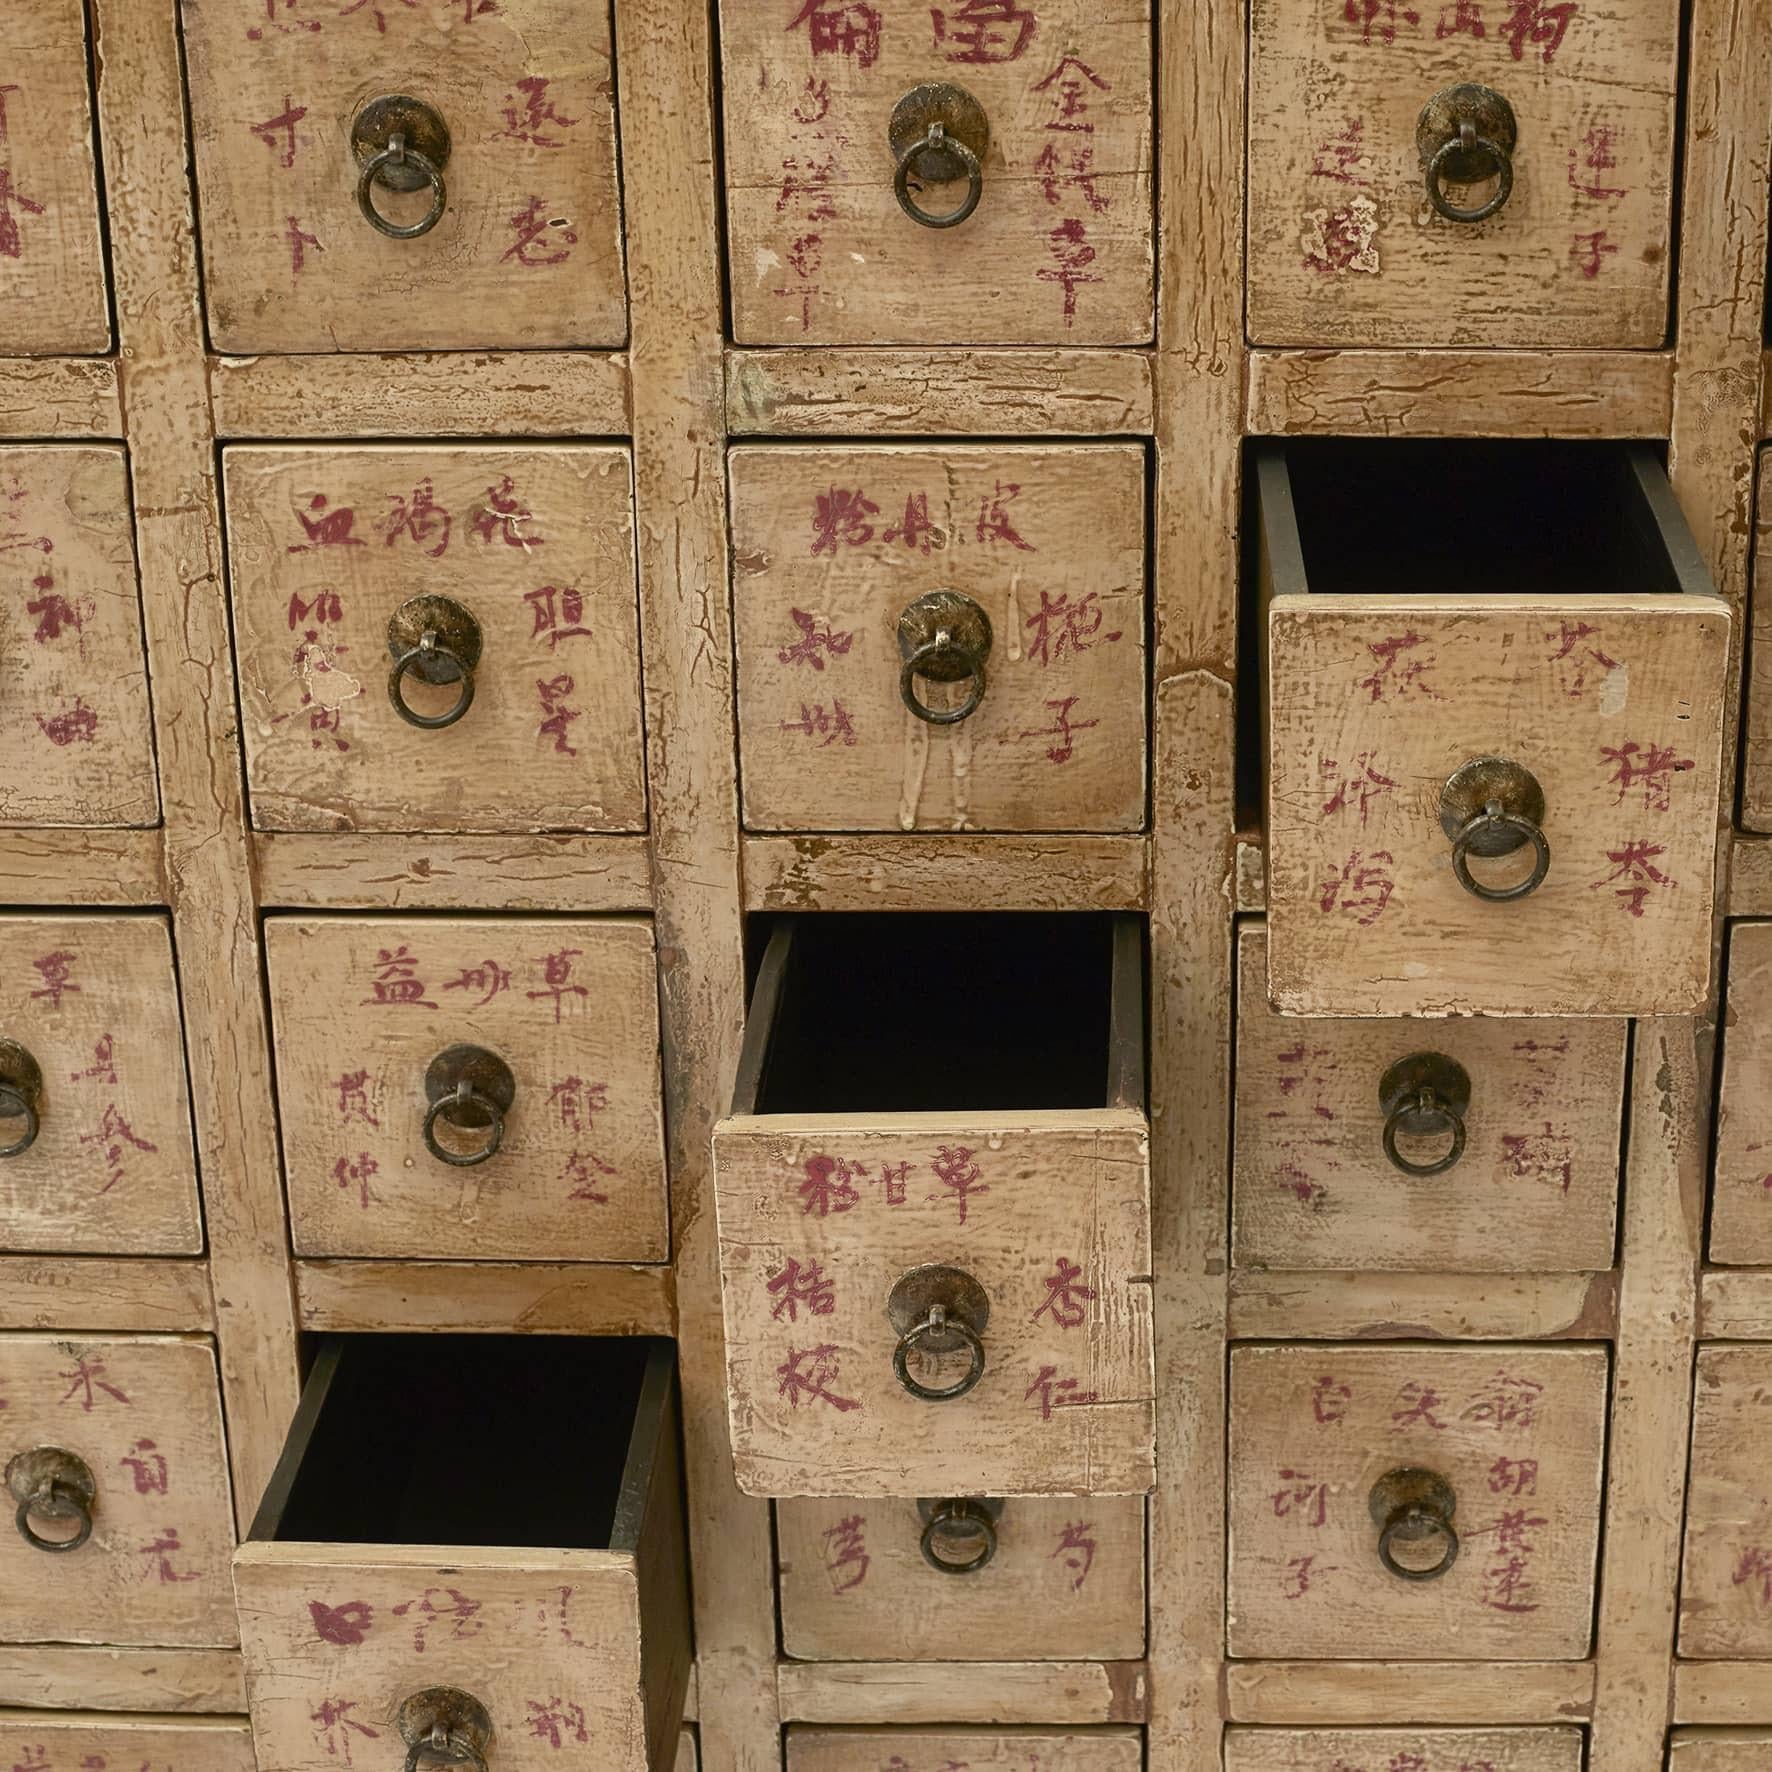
(1403, 1750)
(452, 1566)
(934, 1200)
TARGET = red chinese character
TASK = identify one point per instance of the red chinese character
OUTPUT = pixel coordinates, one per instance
(1377, 18)
(1509, 1402)
(1296, 1583)
(114, 1132)
(1635, 862)
(1329, 1400)
(454, 1607)
(36, 1759)
(983, 32)
(324, 610)
(375, 11)
(529, 112)
(1540, 1156)
(1076, 170)
(1513, 1476)
(814, 721)
(299, 242)
(579, 1102)
(1344, 239)
(1066, 1296)
(72, 725)
(353, 1098)
(1592, 159)
(1651, 767)
(334, 1723)
(419, 517)
(1533, 21)
(356, 1174)
(162, 1550)
(556, 971)
(12, 242)
(1461, 18)
(1505, 1583)
(795, 1286)
(502, 517)
(489, 978)
(1302, 1492)
(86, 1374)
(959, 1176)
(1590, 252)
(1420, 1401)
(1574, 677)
(804, 255)
(814, 641)
(814, 102)
(810, 1372)
(55, 969)
(834, 28)
(284, 125)
(1078, 1550)
(56, 615)
(532, 228)
(1065, 82)
(1362, 888)
(148, 1466)
(846, 1553)
(1342, 159)
(556, 715)
(103, 1068)
(396, 982)
(1399, 674)
(257, 33)
(585, 1170)
(840, 517)
(1755, 1565)
(808, 189)
(1360, 788)
(557, 1722)
(1057, 1393)
(1072, 255)
(916, 531)
(548, 620)
(326, 529)
(1059, 624)
(1062, 731)
(828, 1186)
(1407, 1762)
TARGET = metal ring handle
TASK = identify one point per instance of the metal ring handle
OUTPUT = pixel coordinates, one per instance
(938, 1322)
(941, 141)
(1430, 1105)
(465, 1095)
(1492, 815)
(943, 642)
(984, 1529)
(453, 1746)
(397, 153)
(10, 1093)
(54, 1501)
(430, 647)
(1467, 141)
(1419, 1522)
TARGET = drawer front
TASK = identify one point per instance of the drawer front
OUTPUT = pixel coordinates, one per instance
(1726, 1590)
(74, 711)
(53, 298)
(137, 1422)
(535, 544)
(1058, 249)
(47, 1741)
(91, 1005)
(338, 1637)
(1741, 1205)
(1613, 705)
(1065, 1579)
(527, 251)
(1345, 246)
(362, 1006)
(822, 1217)
(1533, 1188)
(1716, 1750)
(835, 555)
(982, 1750)
(1325, 1442)
(1403, 1750)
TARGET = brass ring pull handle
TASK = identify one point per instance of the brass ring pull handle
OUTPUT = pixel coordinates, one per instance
(1414, 1507)
(1491, 807)
(938, 133)
(1424, 1095)
(446, 1726)
(438, 641)
(402, 144)
(963, 1518)
(21, 1095)
(1465, 135)
(938, 1310)
(471, 1090)
(50, 1483)
(944, 637)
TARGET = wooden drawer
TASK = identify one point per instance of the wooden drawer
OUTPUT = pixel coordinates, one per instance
(1530, 1114)
(1756, 737)
(1719, 1750)
(847, 564)
(1483, 1463)
(1347, 248)
(119, 1438)
(936, 1175)
(95, 1048)
(527, 250)
(59, 1741)
(74, 711)
(1060, 1579)
(1726, 1587)
(1546, 687)
(474, 1537)
(371, 1015)
(532, 550)
(52, 292)
(1741, 1203)
(982, 1750)
(1058, 248)
(1403, 1750)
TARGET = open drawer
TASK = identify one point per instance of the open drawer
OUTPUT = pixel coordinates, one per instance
(471, 1553)
(934, 1205)
(1495, 708)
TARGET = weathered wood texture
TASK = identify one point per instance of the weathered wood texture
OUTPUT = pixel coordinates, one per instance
(482, 1297)
(1735, 1304)
(1741, 1194)
(95, 1742)
(72, 1677)
(1426, 1750)
(94, 1292)
(1451, 1307)
(59, 397)
(1328, 1694)
(1698, 1750)
(1070, 1750)
(1726, 1693)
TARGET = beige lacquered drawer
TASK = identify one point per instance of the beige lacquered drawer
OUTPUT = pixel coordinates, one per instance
(836, 192)
(59, 1741)
(1510, 1163)
(522, 712)
(1494, 730)
(936, 638)
(1741, 1202)
(116, 1443)
(1409, 1502)
(1034, 1578)
(1403, 1750)
(447, 1560)
(1356, 114)
(470, 1087)
(74, 710)
(52, 259)
(1726, 1585)
(934, 1222)
(94, 1110)
(1719, 1750)
(981, 1750)
(505, 114)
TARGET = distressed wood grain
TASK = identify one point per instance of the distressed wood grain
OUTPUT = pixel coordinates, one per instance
(1429, 1750)
(94, 1292)
(1331, 1694)
(1696, 1750)
(59, 397)
(1741, 1191)
(72, 1677)
(1401, 1307)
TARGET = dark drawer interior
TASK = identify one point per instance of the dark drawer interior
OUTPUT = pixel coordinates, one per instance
(913, 1012)
(520, 1441)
